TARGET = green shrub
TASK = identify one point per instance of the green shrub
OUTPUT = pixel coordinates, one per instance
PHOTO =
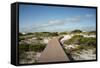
(74, 40)
(54, 34)
(80, 40)
(88, 41)
(24, 47)
(31, 47)
(37, 47)
(20, 34)
(63, 33)
(76, 31)
(21, 38)
(29, 34)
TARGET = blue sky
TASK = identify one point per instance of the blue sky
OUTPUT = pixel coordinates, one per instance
(36, 18)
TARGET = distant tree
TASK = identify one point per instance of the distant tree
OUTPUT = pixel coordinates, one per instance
(76, 31)
(20, 34)
(63, 33)
(29, 33)
(54, 34)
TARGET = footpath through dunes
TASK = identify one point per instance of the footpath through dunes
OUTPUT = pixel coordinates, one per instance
(53, 52)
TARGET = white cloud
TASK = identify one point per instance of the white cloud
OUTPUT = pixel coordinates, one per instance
(88, 15)
(56, 22)
(73, 19)
(51, 23)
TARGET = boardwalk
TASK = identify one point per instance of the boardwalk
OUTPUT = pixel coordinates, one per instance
(53, 52)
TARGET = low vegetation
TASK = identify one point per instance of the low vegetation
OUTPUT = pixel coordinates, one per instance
(34, 43)
(76, 31)
(80, 40)
(32, 47)
(63, 33)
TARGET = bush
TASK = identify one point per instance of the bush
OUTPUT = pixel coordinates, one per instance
(88, 41)
(80, 40)
(21, 38)
(74, 40)
(24, 47)
(20, 34)
(37, 47)
(76, 31)
(54, 34)
(31, 47)
(63, 33)
(29, 34)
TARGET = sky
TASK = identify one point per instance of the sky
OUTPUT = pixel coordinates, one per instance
(36, 18)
